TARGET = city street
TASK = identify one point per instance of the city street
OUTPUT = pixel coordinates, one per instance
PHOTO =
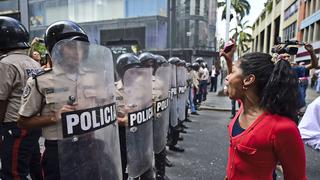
(206, 145)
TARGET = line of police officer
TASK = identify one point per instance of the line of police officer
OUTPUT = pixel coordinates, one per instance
(74, 105)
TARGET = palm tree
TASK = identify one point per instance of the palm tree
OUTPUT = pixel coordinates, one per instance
(240, 7)
(242, 37)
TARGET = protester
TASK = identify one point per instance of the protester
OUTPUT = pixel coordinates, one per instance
(264, 132)
(35, 55)
(317, 72)
(204, 81)
(226, 57)
(214, 79)
(300, 71)
(309, 126)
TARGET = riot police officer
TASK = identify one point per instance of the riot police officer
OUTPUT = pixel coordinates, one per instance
(76, 106)
(124, 62)
(174, 128)
(134, 101)
(20, 146)
(160, 88)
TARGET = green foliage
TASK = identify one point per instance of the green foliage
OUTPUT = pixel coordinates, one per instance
(40, 47)
(242, 36)
(268, 5)
(240, 7)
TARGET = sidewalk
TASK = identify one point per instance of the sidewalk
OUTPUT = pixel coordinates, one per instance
(223, 103)
(215, 102)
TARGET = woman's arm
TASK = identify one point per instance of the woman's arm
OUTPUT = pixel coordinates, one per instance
(290, 150)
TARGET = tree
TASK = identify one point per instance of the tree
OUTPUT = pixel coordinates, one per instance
(240, 7)
(242, 36)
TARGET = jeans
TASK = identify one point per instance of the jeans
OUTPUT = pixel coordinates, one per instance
(192, 107)
(214, 81)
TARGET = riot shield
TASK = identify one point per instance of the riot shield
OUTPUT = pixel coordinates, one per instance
(181, 100)
(160, 89)
(137, 85)
(88, 138)
(173, 97)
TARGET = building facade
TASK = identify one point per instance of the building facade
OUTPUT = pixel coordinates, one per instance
(153, 24)
(309, 27)
(290, 20)
(146, 21)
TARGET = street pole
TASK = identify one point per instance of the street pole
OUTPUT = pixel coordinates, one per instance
(170, 28)
(226, 39)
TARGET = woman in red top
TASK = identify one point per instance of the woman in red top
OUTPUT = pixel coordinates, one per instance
(264, 132)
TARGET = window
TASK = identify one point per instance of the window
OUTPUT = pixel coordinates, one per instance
(9, 5)
(291, 10)
(290, 31)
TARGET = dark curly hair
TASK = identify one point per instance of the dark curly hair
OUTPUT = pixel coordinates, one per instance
(276, 84)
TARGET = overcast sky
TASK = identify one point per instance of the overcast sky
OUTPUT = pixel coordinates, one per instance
(256, 9)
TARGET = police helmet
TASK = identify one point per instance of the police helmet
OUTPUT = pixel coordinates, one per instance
(13, 35)
(63, 30)
(125, 62)
(148, 59)
(174, 60)
(195, 66)
(188, 65)
(160, 60)
(182, 63)
(199, 60)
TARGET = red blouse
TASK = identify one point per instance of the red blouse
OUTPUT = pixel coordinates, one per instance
(254, 153)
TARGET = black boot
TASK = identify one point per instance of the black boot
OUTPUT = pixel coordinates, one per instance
(160, 165)
(148, 175)
(168, 162)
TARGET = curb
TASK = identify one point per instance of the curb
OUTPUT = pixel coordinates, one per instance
(213, 108)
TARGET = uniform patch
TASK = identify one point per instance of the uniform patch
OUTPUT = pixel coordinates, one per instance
(26, 91)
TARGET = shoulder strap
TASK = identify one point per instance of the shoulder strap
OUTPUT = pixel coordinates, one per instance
(37, 87)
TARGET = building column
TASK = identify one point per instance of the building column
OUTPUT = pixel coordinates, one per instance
(265, 39)
(315, 32)
(24, 13)
(310, 34)
(317, 5)
(272, 23)
(312, 7)
(307, 11)
(257, 47)
(305, 34)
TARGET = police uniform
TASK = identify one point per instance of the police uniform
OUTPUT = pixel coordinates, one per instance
(47, 93)
(120, 104)
(20, 146)
(122, 110)
(160, 158)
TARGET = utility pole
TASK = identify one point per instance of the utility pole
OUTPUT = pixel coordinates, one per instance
(171, 18)
(226, 39)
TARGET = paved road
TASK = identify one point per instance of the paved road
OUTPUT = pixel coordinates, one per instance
(206, 146)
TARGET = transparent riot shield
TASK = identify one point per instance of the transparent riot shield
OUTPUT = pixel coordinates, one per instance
(173, 97)
(160, 89)
(181, 100)
(137, 85)
(88, 138)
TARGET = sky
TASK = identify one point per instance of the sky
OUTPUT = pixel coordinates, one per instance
(256, 9)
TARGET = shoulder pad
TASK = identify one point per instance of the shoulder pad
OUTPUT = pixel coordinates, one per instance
(44, 71)
(3, 56)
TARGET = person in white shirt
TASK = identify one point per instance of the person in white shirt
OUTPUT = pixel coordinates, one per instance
(309, 126)
(214, 79)
(204, 81)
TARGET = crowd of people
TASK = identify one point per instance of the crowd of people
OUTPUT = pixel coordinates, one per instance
(105, 122)
(48, 95)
